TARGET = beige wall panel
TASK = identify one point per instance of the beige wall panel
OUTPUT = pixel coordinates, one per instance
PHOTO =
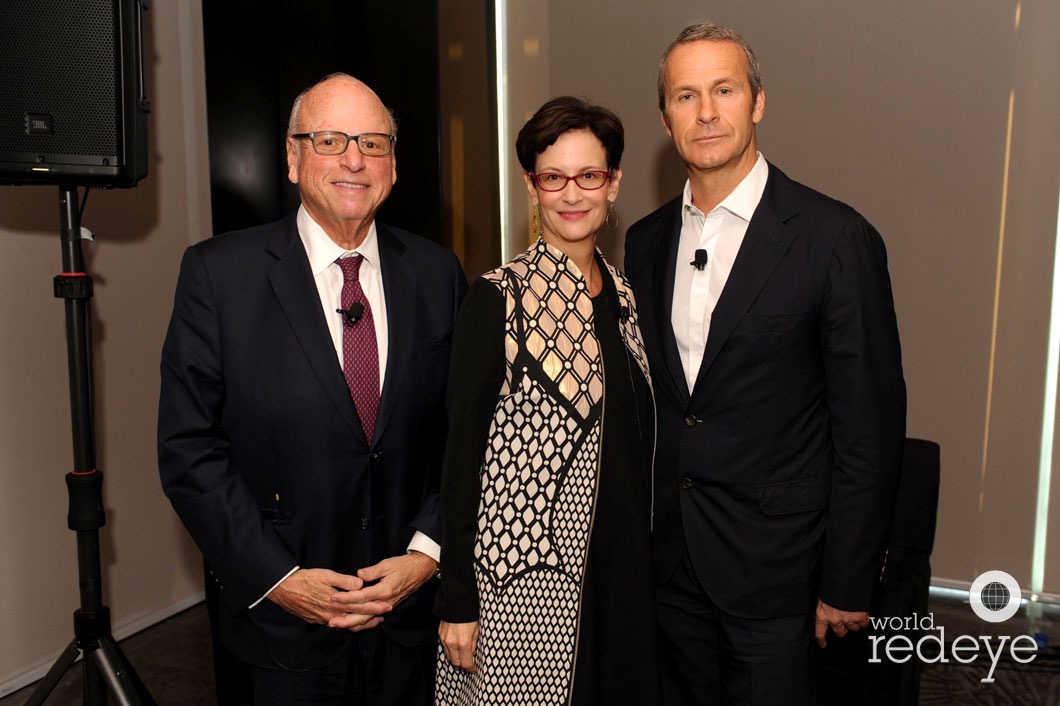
(150, 567)
(529, 48)
(1004, 533)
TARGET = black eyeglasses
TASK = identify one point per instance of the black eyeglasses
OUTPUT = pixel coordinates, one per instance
(331, 142)
(554, 181)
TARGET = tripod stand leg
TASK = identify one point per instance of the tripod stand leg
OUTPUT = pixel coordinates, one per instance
(124, 685)
(44, 689)
(93, 689)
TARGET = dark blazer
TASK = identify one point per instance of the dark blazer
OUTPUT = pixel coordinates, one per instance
(779, 468)
(260, 449)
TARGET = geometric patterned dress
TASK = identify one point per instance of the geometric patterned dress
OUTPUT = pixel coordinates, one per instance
(537, 485)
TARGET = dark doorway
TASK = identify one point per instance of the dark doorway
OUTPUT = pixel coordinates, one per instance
(261, 54)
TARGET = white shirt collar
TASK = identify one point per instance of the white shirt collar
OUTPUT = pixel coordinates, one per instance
(323, 251)
(743, 200)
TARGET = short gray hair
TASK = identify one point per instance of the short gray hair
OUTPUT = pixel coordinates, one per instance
(296, 107)
(711, 32)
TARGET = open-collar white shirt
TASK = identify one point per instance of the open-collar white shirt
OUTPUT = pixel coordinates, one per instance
(720, 233)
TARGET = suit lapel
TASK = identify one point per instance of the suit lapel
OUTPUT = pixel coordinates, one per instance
(664, 269)
(292, 282)
(764, 244)
(399, 287)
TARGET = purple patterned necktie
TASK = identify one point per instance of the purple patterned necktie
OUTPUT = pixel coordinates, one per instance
(360, 354)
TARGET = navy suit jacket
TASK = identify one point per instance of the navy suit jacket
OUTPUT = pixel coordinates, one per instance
(778, 469)
(261, 451)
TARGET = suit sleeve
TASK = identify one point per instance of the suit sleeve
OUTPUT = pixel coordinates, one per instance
(475, 379)
(866, 403)
(206, 490)
(629, 260)
(427, 521)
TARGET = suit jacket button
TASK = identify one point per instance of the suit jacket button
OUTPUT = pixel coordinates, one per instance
(365, 523)
(687, 483)
(691, 421)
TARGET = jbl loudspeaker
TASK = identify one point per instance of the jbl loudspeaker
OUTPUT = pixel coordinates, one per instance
(73, 105)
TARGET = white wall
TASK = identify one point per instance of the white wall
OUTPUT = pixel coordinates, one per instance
(150, 567)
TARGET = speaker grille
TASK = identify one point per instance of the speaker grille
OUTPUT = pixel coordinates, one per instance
(59, 60)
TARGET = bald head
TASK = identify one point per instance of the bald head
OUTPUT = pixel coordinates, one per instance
(329, 84)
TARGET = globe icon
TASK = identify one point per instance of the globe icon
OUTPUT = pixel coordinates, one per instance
(995, 596)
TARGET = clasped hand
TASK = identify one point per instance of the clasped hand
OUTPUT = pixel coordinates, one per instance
(353, 603)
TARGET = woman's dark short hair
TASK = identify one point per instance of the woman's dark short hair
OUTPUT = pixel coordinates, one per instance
(560, 116)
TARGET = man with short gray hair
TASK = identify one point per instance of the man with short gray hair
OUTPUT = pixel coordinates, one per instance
(769, 322)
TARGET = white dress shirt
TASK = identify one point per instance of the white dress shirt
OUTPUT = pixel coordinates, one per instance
(720, 233)
(323, 252)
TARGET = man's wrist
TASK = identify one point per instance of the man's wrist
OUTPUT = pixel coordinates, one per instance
(435, 567)
(268, 593)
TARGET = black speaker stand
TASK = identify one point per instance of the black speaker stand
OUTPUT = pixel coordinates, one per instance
(104, 668)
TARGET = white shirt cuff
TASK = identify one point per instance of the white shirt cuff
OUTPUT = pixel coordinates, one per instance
(425, 545)
(255, 603)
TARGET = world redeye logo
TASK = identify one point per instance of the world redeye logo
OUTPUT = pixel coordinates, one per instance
(995, 596)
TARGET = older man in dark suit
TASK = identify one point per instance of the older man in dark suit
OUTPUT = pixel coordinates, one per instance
(302, 424)
(769, 322)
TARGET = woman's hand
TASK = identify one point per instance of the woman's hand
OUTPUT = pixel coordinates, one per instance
(458, 641)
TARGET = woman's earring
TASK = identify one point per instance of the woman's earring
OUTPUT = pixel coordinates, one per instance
(535, 221)
(611, 215)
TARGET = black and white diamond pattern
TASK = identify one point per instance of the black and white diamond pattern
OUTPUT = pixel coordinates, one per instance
(531, 441)
(557, 323)
(539, 479)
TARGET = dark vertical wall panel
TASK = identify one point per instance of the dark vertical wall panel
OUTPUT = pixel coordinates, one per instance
(470, 162)
(402, 66)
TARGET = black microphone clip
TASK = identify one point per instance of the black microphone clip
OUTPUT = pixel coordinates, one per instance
(352, 315)
(701, 259)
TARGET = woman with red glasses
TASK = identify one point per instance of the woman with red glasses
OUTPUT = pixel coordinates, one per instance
(546, 594)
